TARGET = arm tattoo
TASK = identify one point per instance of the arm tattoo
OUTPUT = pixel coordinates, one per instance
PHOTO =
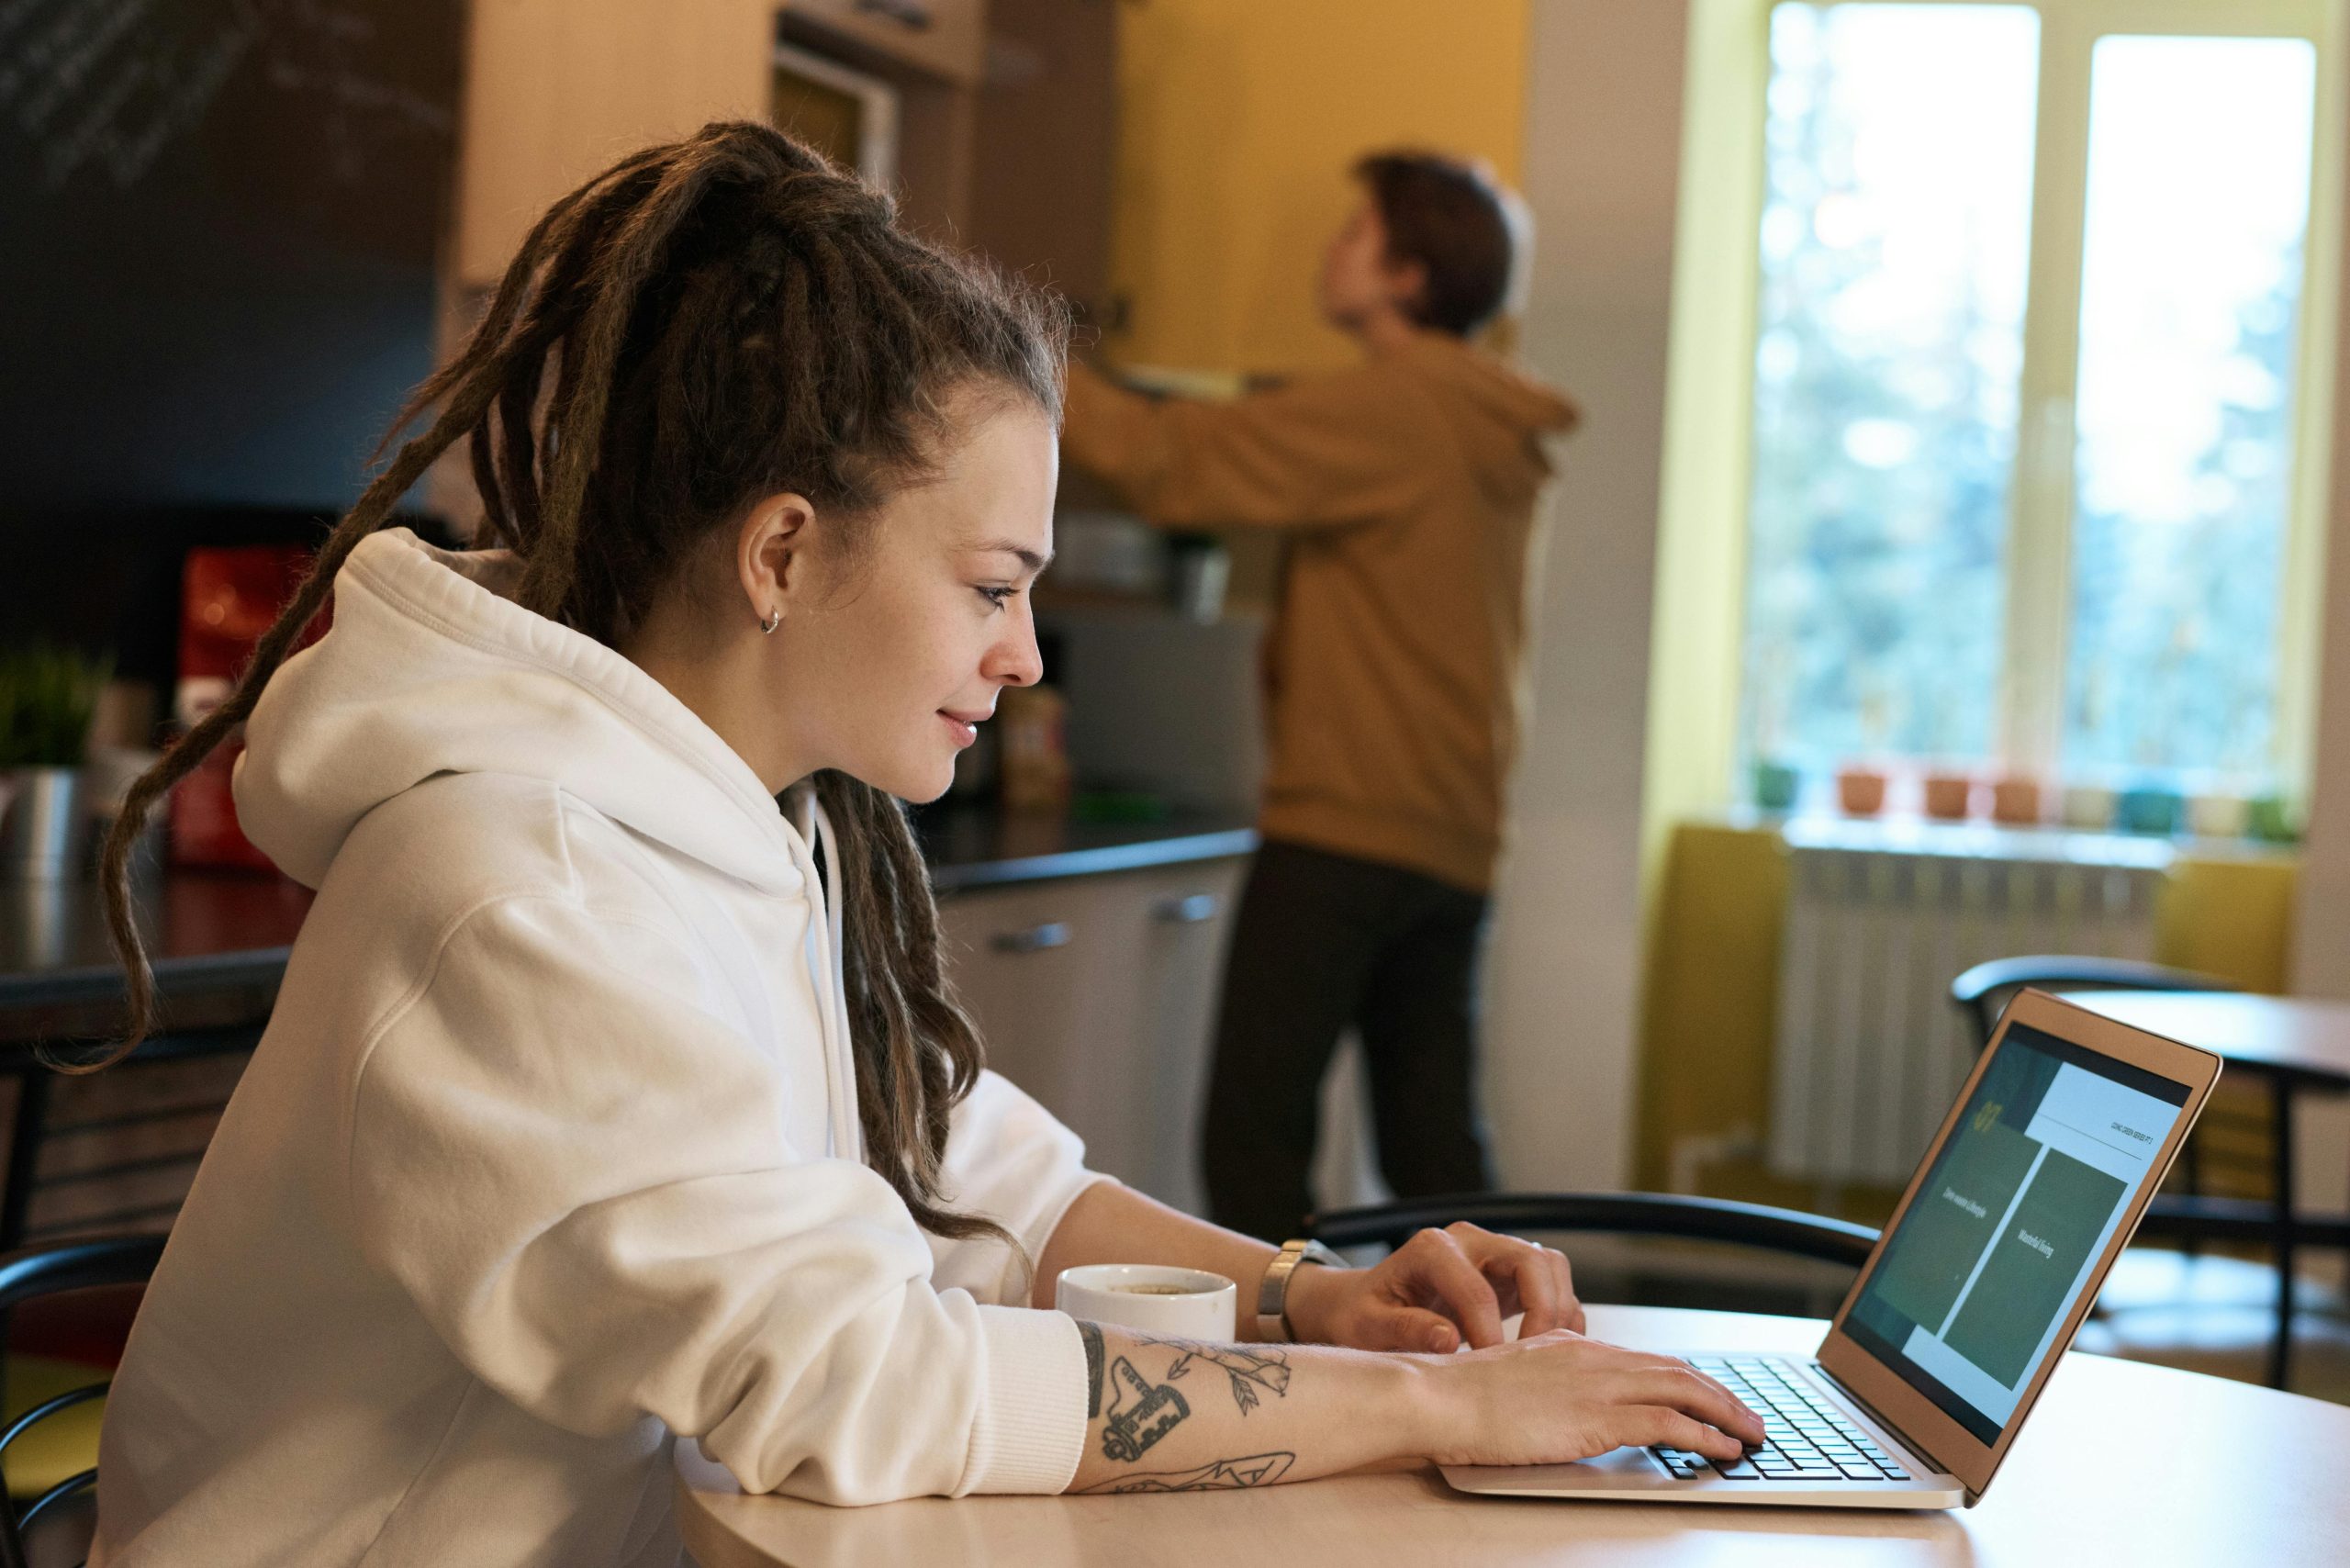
(1133, 1425)
(1091, 1335)
(1223, 1475)
(1248, 1370)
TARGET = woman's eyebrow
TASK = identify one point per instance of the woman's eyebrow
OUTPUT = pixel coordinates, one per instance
(1028, 558)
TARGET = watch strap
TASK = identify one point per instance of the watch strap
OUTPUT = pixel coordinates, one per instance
(1272, 1295)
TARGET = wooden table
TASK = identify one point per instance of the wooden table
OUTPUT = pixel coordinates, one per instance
(2120, 1463)
(2296, 1044)
(2298, 1037)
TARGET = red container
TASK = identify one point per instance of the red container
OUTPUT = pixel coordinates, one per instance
(228, 599)
(1948, 797)
(1860, 791)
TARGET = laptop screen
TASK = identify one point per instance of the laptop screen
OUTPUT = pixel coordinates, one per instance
(1991, 1255)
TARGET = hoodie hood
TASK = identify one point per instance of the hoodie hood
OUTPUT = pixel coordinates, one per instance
(1499, 412)
(431, 667)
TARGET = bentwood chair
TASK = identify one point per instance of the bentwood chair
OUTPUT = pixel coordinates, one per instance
(1787, 1232)
(27, 1276)
(1984, 991)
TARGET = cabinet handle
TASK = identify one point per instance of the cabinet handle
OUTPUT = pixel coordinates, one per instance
(911, 14)
(1195, 909)
(1035, 939)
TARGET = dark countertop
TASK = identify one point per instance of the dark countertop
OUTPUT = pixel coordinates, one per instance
(972, 847)
(218, 940)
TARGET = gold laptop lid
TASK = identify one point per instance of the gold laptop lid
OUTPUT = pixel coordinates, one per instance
(2022, 1203)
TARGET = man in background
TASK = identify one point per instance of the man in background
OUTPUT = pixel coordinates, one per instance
(1408, 487)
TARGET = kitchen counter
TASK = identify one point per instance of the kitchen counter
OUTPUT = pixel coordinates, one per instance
(970, 848)
(218, 940)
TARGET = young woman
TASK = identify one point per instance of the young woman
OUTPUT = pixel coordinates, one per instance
(615, 1093)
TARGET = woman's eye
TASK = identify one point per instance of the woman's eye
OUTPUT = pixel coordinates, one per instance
(999, 597)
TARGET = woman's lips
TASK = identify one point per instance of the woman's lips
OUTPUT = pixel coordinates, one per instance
(966, 731)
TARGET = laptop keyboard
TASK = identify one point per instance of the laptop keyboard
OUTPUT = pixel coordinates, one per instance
(1806, 1438)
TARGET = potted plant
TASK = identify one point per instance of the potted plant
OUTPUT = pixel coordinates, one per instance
(47, 699)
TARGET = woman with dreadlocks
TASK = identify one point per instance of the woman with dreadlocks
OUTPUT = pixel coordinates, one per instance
(614, 1093)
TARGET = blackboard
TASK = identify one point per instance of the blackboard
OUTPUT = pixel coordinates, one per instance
(219, 222)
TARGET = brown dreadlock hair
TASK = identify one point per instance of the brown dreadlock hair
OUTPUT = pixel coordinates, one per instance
(703, 325)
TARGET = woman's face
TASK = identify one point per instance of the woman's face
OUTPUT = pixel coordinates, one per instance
(899, 632)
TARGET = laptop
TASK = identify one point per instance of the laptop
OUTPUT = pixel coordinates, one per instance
(2024, 1199)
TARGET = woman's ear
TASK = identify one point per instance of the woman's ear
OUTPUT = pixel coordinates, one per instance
(771, 555)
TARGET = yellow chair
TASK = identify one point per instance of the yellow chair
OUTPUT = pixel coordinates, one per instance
(49, 1448)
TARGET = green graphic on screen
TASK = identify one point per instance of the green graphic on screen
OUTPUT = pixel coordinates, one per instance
(2030, 1272)
(1992, 1252)
(1952, 1221)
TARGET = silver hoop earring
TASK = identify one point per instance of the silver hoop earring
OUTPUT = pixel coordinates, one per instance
(774, 620)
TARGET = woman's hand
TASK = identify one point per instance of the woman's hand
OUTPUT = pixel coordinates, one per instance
(1439, 1289)
(1560, 1396)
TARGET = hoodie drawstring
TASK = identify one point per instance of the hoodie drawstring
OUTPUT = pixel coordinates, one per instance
(825, 968)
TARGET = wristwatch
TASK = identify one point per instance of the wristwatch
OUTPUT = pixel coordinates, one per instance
(1273, 1296)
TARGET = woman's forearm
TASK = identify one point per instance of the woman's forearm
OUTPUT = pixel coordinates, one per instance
(1169, 1415)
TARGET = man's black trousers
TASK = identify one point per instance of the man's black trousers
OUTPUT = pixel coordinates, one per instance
(1323, 941)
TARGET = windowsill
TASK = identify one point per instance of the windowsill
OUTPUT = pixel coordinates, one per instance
(1976, 840)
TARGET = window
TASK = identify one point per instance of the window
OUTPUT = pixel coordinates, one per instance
(2027, 474)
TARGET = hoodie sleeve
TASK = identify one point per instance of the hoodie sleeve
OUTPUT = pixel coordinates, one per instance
(1325, 452)
(580, 1178)
(1009, 1160)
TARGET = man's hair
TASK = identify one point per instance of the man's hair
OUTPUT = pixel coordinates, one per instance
(1452, 218)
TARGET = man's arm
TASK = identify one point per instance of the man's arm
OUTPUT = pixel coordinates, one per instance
(1327, 452)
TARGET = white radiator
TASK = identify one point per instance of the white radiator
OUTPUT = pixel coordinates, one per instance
(1879, 921)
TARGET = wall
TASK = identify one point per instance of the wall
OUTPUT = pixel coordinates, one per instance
(1602, 137)
(1237, 122)
(2322, 934)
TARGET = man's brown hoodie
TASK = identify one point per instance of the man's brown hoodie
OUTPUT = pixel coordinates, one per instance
(1397, 654)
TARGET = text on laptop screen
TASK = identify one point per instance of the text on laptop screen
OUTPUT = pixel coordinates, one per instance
(2053, 1147)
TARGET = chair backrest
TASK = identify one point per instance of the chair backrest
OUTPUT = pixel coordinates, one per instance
(50, 1270)
(132, 1138)
(1983, 991)
(1789, 1231)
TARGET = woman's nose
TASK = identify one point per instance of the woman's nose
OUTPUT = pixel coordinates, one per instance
(1014, 660)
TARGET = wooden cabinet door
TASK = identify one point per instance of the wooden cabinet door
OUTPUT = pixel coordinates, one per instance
(945, 38)
(557, 89)
(1044, 147)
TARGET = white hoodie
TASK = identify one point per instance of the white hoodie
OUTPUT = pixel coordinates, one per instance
(551, 1152)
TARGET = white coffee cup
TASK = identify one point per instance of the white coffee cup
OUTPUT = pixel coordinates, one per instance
(1153, 1297)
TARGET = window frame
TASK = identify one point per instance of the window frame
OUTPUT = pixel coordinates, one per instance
(1697, 698)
